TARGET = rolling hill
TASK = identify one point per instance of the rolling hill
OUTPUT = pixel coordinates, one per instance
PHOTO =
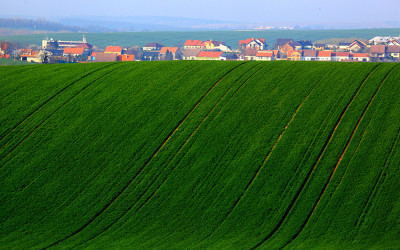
(177, 155)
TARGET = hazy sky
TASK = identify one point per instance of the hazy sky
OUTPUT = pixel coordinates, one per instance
(266, 11)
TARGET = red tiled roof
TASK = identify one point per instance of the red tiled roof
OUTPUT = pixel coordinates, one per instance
(310, 53)
(264, 54)
(378, 49)
(251, 52)
(209, 54)
(113, 49)
(359, 55)
(126, 58)
(84, 45)
(248, 40)
(75, 51)
(324, 53)
(342, 54)
(393, 49)
(193, 43)
(171, 49)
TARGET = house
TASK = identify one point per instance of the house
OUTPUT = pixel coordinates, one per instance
(252, 43)
(113, 50)
(309, 55)
(193, 44)
(126, 58)
(324, 55)
(294, 55)
(344, 46)
(73, 51)
(106, 57)
(264, 56)
(250, 55)
(152, 46)
(340, 56)
(31, 58)
(382, 40)
(212, 45)
(190, 54)
(393, 51)
(51, 44)
(275, 51)
(287, 47)
(3, 48)
(281, 42)
(361, 57)
(150, 56)
(229, 57)
(209, 55)
(174, 51)
(319, 46)
(25, 51)
(356, 46)
(377, 51)
(306, 44)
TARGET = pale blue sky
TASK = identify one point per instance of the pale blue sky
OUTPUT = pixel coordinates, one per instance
(244, 11)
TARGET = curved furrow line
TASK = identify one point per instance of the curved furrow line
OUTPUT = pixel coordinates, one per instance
(279, 224)
(374, 190)
(51, 114)
(339, 160)
(28, 79)
(145, 164)
(48, 100)
(69, 200)
(266, 158)
(180, 149)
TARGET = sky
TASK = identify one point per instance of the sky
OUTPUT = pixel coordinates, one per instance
(266, 11)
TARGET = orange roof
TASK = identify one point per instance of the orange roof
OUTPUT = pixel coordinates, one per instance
(248, 40)
(359, 55)
(264, 54)
(324, 53)
(113, 49)
(171, 49)
(126, 58)
(75, 51)
(193, 43)
(209, 54)
(290, 52)
(342, 54)
(94, 54)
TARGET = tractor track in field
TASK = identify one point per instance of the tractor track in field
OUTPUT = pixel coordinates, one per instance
(55, 111)
(373, 192)
(28, 79)
(98, 173)
(48, 100)
(339, 160)
(266, 158)
(152, 183)
(297, 195)
(145, 164)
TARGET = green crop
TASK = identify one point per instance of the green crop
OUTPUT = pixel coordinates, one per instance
(200, 155)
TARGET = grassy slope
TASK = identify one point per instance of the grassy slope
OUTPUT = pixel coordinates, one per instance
(229, 37)
(200, 155)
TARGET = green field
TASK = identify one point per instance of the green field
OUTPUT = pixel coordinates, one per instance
(215, 155)
(231, 38)
(6, 62)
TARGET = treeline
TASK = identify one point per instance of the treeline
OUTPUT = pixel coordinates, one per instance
(38, 24)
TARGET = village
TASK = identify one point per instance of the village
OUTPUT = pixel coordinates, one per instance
(377, 49)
